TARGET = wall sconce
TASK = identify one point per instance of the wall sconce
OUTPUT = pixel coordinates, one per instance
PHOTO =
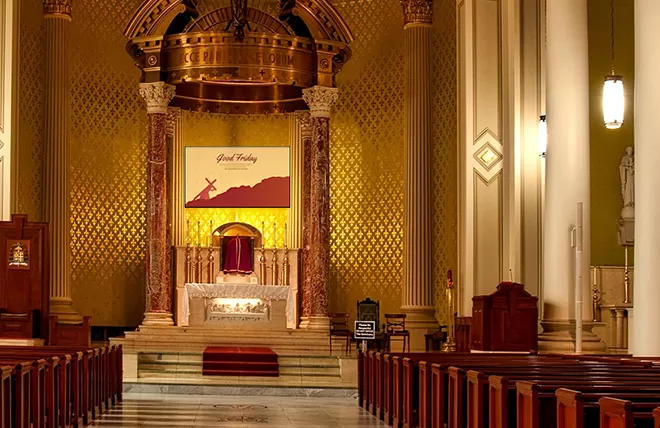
(543, 136)
(613, 97)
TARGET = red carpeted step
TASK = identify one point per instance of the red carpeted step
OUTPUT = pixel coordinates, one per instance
(236, 361)
(240, 373)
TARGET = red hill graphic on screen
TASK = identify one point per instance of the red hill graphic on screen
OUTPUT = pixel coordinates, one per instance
(271, 192)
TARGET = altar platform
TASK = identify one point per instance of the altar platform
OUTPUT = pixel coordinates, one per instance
(156, 359)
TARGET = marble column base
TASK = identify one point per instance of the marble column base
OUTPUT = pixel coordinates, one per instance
(315, 323)
(63, 308)
(420, 320)
(165, 319)
(559, 336)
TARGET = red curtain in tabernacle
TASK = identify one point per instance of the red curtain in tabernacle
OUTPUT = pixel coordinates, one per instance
(237, 255)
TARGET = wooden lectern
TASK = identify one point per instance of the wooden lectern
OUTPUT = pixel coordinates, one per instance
(506, 320)
(24, 291)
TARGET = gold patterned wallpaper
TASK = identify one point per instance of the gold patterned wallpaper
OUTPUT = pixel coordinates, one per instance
(210, 129)
(108, 156)
(29, 153)
(367, 151)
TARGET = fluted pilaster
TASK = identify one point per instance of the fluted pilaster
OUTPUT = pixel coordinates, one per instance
(417, 298)
(159, 288)
(57, 112)
(296, 144)
(320, 100)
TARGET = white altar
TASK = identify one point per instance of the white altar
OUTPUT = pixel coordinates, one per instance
(237, 301)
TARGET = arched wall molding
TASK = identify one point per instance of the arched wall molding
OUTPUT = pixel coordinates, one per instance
(154, 17)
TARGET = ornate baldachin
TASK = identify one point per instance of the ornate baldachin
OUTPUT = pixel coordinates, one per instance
(320, 100)
(157, 95)
(417, 11)
(58, 7)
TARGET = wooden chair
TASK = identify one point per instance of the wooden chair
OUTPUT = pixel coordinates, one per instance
(395, 327)
(339, 329)
(369, 310)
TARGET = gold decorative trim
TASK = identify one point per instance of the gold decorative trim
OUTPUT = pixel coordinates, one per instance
(417, 11)
(58, 7)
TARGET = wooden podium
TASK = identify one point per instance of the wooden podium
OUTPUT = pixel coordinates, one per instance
(506, 320)
(24, 291)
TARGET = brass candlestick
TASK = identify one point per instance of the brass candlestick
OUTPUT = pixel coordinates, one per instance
(626, 278)
(198, 264)
(285, 266)
(450, 344)
(188, 269)
(211, 274)
(595, 295)
(262, 266)
(275, 267)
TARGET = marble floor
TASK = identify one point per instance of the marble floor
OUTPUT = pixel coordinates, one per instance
(164, 411)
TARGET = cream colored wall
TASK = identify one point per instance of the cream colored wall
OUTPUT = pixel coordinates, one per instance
(608, 146)
(9, 10)
(499, 169)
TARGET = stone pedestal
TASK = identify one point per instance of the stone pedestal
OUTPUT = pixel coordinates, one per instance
(57, 111)
(317, 227)
(417, 299)
(159, 285)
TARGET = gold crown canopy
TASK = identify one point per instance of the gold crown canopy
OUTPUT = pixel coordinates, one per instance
(239, 56)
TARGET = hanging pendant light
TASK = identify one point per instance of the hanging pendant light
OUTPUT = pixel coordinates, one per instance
(613, 96)
(543, 136)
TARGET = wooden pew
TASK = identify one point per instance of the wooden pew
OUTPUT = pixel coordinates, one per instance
(575, 409)
(91, 380)
(536, 403)
(616, 413)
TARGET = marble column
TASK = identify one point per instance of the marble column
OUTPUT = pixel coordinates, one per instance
(304, 121)
(317, 260)
(57, 111)
(417, 299)
(159, 287)
(646, 293)
(567, 177)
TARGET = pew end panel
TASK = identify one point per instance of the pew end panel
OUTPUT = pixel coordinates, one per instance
(615, 413)
(570, 408)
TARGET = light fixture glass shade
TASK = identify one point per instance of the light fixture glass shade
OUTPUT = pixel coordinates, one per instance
(613, 102)
(543, 136)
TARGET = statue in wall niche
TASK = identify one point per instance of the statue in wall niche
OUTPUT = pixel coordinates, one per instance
(627, 174)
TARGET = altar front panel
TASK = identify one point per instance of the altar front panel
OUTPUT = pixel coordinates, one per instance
(237, 306)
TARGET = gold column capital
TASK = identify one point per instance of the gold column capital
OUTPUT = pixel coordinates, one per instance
(320, 100)
(304, 119)
(417, 11)
(57, 8)
(157, 96)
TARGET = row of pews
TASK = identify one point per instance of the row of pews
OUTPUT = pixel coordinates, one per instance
(57, 386)
(457, 390)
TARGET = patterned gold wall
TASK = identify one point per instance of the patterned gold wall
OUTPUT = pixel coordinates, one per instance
(108, 155)
(445, 140)
(108, 166)
(367, 150)
(29, 153)
(205, 129)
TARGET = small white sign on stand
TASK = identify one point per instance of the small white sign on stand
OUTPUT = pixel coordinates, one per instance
(365, 330)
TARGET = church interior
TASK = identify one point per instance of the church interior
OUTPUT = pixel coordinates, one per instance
(329, 213)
